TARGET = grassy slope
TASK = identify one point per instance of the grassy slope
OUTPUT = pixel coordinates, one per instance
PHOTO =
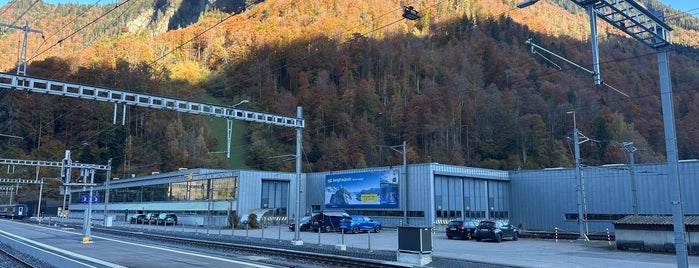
(239, 140)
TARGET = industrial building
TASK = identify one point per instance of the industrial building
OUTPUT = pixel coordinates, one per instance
(419, 194)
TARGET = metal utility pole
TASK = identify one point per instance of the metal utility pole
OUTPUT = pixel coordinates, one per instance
(628, 146)
(22, 58)
(299, 138)
(578, 176)
(639, 23)
(106, 194)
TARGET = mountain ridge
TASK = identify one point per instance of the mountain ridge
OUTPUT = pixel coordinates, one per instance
(459, 85)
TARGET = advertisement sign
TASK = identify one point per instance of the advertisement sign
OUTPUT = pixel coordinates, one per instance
(376, 189)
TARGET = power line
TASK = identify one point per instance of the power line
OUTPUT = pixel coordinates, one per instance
(119, 4)
(73, 21)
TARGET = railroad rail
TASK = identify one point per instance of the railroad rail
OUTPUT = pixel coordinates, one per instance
(13, 260)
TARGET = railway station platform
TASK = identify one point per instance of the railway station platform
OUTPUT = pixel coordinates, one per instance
(526, 252)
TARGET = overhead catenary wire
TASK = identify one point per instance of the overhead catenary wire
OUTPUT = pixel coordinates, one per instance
(62, 27)
(25, 12)
(119, 4)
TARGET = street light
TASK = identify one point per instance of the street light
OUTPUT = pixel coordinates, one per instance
(239, 103)
(229, 125)
(299, 141)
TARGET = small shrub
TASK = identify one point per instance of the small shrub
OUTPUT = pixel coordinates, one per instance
(252, 221)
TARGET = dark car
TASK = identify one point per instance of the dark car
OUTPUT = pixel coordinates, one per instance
(328, 220)
(461, 229)
(138, 218)
(305, 223)
(166, 219)
(496, 230)
(357, 223)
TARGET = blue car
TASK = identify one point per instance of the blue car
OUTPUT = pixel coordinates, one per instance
(357, 223)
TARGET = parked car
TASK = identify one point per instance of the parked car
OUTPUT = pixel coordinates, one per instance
(328, 220)
(138, 219)
(304, 222)
(496, 230)
(461, 229)
(166, 218)
(357, 223)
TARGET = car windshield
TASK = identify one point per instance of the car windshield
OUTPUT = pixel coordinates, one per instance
(487, 224)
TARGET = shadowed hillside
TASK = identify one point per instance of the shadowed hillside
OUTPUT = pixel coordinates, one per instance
(460, 86)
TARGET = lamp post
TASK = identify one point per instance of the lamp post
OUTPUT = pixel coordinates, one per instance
(299, 139)
(106, 195)
(229, 127)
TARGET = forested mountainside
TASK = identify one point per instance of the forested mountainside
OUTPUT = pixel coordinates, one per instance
(459, 85)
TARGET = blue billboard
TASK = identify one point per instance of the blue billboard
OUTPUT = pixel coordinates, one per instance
(376, 189)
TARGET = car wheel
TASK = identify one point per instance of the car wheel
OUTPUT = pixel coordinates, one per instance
(355, 229)
(469, 236)
(303, 228)
(328, 228)
(478, 239)
(450, 237)
(377, 229)
(498, 238)
(515, 237)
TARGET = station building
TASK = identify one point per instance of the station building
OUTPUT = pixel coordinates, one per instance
(425, 194)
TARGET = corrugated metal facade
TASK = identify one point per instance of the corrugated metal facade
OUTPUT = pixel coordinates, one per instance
(252, 195)
(548, 199)
(435, 193)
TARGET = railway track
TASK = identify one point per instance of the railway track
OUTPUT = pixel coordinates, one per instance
(11, 258)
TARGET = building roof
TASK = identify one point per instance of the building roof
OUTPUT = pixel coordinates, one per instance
(655, 220)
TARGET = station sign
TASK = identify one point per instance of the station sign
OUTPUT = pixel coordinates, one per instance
(86, 198)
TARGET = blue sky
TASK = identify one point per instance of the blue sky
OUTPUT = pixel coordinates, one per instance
(683, 5)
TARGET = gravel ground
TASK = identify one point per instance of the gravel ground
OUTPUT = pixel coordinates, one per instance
(6, 261)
